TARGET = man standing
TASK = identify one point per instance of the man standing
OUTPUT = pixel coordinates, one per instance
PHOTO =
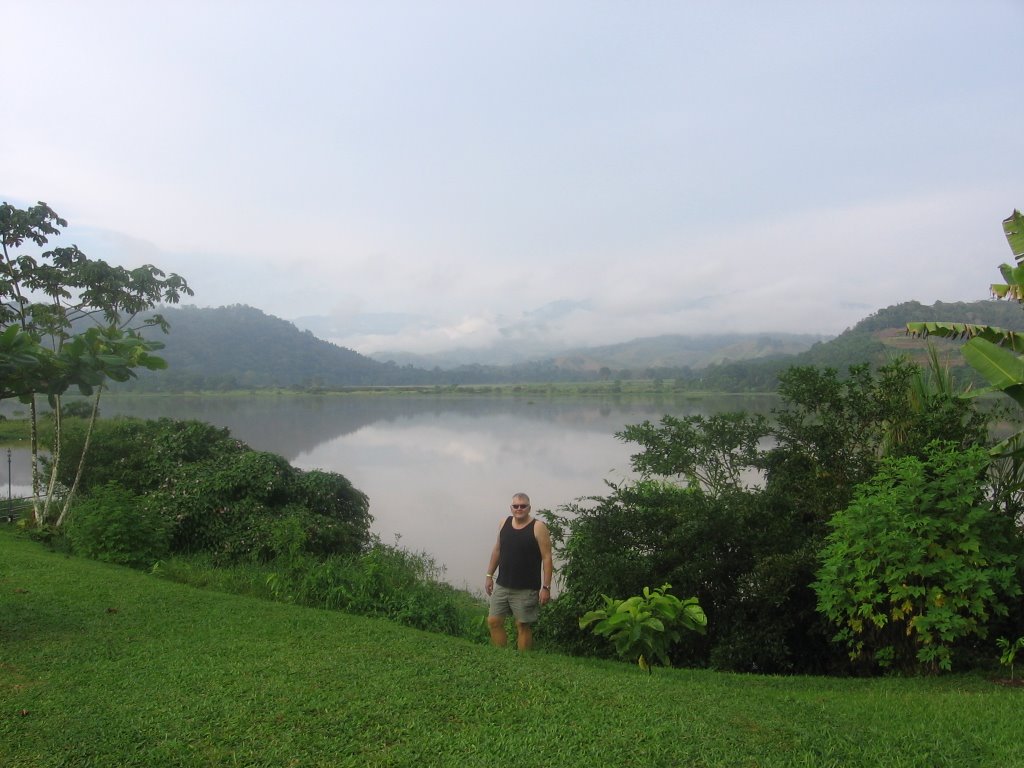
(522, 558)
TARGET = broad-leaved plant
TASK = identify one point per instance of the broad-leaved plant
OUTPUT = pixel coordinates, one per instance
(644, 627)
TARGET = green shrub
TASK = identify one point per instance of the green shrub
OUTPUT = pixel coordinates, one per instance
(262, 534)
(141, 455)
(254, 505)
(918, 562)
(644, 627)
(742, 560)
(771, 624)
(339, 513)
(1008, 651)
(385, 582)
(111, 525)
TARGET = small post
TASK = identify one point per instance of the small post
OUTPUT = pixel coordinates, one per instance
(10, 513)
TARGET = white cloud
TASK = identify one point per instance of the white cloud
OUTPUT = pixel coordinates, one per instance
(675, 168)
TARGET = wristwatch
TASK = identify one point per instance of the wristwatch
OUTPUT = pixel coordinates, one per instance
(545, 586)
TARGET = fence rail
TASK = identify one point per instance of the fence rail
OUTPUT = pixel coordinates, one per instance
(13, 509)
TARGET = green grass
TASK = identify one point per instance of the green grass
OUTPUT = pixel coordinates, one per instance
(103, 666)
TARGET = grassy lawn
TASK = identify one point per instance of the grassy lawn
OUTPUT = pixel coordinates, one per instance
(102, 666)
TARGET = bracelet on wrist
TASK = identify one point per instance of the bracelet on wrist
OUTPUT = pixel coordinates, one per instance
(489, 575)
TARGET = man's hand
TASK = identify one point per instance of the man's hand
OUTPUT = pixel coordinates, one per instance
(488, 585)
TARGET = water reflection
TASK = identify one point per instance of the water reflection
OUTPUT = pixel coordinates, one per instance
(440, 471)
(444, 481)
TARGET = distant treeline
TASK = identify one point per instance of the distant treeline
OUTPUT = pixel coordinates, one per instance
(239, 347)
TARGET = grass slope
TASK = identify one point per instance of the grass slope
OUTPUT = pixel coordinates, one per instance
(101, 666)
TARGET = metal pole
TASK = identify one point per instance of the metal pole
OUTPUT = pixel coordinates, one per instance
(10, 515)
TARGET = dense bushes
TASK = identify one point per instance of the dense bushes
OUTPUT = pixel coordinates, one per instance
(113, 525)
(747, 568)
(386, 582)
(736, 509)
(651, 532)
(216, 495)
(225, 515)
(918, 562)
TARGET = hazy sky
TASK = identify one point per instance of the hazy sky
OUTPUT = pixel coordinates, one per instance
(578, 172)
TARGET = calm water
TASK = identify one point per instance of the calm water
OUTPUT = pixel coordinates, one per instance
(439, 471)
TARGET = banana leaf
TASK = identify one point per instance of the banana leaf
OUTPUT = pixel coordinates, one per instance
(1013, 340)
(1013, 226)
(1013, 288)
(998, 366)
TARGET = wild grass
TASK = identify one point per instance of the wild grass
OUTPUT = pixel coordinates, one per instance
(104, 666)
(383, 582)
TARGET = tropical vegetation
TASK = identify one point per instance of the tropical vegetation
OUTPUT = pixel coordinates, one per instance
(994, 352)
(69, 321)
(644, 627)
(737, 509)
(864, 526)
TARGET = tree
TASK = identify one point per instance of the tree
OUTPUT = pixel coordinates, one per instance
(69, 321)
(831, 432)
(710, 453)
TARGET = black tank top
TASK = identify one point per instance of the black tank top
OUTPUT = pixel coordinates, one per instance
(520, 560)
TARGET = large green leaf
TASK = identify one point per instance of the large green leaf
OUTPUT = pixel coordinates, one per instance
(1013, 288)
(1013, 226)
(998, 366)
(1011, 339)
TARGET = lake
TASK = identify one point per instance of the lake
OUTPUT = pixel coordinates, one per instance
(439, 470)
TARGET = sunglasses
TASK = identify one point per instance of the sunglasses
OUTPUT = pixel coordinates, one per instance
(520, 506)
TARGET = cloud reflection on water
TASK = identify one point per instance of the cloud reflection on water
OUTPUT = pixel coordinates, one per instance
(439, 471)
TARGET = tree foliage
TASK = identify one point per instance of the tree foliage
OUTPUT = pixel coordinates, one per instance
(69, 321)
(217, 495)
(711, 453)
(734, 510)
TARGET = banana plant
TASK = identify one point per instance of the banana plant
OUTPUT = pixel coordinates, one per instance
(997, 354)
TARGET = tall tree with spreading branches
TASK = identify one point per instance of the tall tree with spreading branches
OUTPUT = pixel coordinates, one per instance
(69, 321)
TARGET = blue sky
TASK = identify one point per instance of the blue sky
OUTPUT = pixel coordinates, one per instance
(442, 174)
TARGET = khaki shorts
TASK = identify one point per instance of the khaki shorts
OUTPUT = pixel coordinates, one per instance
(524, 604)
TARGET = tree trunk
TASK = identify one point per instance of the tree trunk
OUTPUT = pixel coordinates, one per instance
(81, 459)
(37, 512)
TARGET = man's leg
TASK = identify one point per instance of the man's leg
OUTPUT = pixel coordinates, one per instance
(496, 624)
(525, 636)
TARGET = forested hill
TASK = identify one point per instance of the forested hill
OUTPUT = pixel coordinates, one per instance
(883, 333)
(876, 339)
(239, 347)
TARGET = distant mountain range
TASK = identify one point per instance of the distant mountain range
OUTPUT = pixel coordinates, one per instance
(241, 347)
(665, 351)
